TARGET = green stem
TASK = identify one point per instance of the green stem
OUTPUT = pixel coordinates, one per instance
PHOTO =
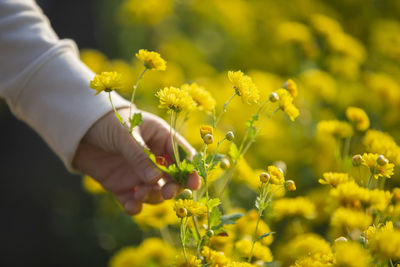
(175, 142)
(182, 238)
(172, 135)
(370, 180)
(134, 91)
(216, 152)
(116, 112)
(215, 122)
(254, 239)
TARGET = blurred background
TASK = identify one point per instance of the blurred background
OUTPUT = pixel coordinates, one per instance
(340, 53)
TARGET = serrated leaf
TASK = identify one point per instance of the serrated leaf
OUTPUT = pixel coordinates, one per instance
(215, 216)
(265, 235)
(214, 202)
(183, 154)
(231, 218)
(233, 151)
(181, 173)
(198, 163)
(136, 120)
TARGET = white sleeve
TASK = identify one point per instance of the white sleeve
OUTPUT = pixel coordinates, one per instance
(44, 82)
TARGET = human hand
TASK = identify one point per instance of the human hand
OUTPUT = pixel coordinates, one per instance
(110, 155)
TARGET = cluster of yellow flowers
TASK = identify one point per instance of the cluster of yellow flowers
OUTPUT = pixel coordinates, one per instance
(344, 97)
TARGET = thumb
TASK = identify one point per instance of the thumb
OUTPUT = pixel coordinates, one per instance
(131, 148)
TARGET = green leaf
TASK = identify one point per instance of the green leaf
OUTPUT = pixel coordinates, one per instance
(213, 160)
(265, 235)
(231, 218)
(215, 216)
(214, 202)
(183, 154)
(233, 152)
(180, 173)
(199, 164)
(136, 120)
(257, 203)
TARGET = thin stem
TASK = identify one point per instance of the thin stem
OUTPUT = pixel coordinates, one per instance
(255, 238)
(215, 123)
(370, 180)
(216, 151)
(172, 134)
(175, 142)
(182, 238)
(116, 112)
(134, 92)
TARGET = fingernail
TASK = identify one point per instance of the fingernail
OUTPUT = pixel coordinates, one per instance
(151, 174)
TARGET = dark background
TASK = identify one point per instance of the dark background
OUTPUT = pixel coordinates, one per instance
(45, 215)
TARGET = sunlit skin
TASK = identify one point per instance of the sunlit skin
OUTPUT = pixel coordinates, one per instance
(110, 155)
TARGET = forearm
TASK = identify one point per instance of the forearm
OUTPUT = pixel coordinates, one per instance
(44, 82)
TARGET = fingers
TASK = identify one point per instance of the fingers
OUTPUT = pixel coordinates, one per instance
(129, 203)
(149, 193)
(193, 182)
(170, 190)
(143, 167)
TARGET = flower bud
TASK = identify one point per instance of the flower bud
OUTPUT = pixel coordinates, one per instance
(224, 164)
(229, 136)
(273, 97)
(356, 160)
(210, 233)
(341, 239)
(186, 194)
(290, 185)
(181, 212)
(264, 177)
(205, 129)
(382, 160)
(208, 139)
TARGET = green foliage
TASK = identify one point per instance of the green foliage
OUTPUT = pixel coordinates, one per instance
(136, 120)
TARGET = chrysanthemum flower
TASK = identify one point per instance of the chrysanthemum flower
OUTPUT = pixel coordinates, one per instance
(214, 257)
(385, 241)
(193, 261)
(151, 60)
(286, 104)
(359, 117)
(351, 219)
(276, 175)
(244, 87)
(335, 128)
(287, 207)
(351, 254)
(106, 81)
(260, 252)
(204, 100)
(334, 178)
(175, 99)
(291, 86)
(192, 208)
(370, 160)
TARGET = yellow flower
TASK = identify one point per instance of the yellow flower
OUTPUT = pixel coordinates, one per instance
(382, 143)
(334, 178)
(156, 251)
(308, 244)
(359, 117)
(193, 208)
(95, 60)
(370, 160)
(276, 175)
(106, 81)
(244, 86)
(315, 260)
(156, 216)
(240, 264)
(335, 128)
(92, 186)
(126, 257)
(299, 206)
(205, 129)
(260, 251)
(286, 104)
(151, 60)
(204, 100)
(291, 86)
(193, 261)
(385, 242)
(214, 258)
(345, 218)
(351, 254)
(175, 99)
